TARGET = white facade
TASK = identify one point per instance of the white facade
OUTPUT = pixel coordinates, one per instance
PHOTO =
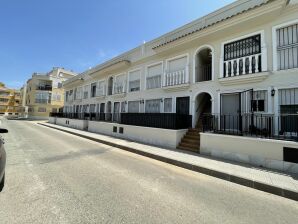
(171, 70)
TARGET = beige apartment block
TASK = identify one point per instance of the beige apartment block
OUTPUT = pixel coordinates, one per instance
(10, 102)
(44, 94)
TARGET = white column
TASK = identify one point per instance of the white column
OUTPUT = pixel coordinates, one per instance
(276, 111)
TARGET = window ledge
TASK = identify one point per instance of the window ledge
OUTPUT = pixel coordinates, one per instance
(176, 87)
(244, 79)
(99, 97)
(118, 95)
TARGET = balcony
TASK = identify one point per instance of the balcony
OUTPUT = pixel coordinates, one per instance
(176, 79)
(247, 69)
(44, 88)
(43, 101)
(119, 89)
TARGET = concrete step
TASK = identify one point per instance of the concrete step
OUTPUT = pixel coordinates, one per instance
(191, 141)
(188, 149)
(191, 146)
(194, 137)
(193, 133)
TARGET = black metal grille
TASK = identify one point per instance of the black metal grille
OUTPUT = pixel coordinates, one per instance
(242, 48)
(155, 120)
(256, 125)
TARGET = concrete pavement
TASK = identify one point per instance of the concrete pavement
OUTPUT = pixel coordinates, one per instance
(56, 177)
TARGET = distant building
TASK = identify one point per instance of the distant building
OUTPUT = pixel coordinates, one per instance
(43, 93)
(9, 101)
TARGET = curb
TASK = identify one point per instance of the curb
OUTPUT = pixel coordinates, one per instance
(221, 175)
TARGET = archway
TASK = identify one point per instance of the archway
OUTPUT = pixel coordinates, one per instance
(203, 106)
(204, 64)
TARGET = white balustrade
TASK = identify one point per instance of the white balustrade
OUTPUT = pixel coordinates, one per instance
(175, 78)
(250, 64)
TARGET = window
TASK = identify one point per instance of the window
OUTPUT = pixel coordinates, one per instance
(93, 89)
(153, 106)
(43, 97)
(259, 101)
(154, 74)
(134, 81)
(177, 64)
(288, 101)
(78, 93)
(242, 48)
(56, 97)
(42, 109)
(119, 84)
(248, 51)
(59, 85)
(100, 91)
(4, 100)
(133, 107)
(92, 108)
(287, 47)
(86, 92)
(168, 105)
(123, 107)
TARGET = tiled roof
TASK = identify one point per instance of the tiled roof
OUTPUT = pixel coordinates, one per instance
(222, 14)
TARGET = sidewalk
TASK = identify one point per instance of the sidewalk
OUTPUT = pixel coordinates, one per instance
(275, 182)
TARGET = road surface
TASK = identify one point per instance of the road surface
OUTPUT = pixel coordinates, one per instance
(55, 177)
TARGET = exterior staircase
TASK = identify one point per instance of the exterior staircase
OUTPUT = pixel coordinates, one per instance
(191, 140)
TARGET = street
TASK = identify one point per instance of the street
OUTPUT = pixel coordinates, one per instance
(55, 177)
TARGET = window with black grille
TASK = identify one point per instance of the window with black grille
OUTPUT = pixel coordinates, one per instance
(242, 48)
(287, 47)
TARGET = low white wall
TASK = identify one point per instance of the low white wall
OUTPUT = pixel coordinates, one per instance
(153, 136)
(52, 120)
(72, 123)
(261, 152)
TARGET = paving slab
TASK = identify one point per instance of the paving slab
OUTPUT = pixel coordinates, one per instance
(271, 181)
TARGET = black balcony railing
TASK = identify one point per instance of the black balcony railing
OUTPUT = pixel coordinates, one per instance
(257, 125)
(45, 88)
(155, 120)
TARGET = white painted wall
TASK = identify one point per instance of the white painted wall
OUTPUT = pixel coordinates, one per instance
(261, 152)
(153, 136)
(72, 123)
(52, 120)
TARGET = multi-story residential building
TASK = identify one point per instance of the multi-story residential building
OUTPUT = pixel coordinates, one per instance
(9, 101)
(43, 93)
(234, 71)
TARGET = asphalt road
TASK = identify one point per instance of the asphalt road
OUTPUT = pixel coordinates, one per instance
(55, 177)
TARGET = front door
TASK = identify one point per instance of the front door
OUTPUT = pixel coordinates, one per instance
(182, 105)
(230, 109)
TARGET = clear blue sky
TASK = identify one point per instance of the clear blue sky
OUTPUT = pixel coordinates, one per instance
(36, 35)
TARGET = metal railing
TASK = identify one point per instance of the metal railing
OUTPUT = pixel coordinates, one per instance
(256, 125)
(155, 120)
(204, 73)
(45, 88)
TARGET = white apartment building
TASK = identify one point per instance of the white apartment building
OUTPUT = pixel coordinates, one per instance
(231, 74)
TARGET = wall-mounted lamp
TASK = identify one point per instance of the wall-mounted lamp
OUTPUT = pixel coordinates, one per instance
(272, 91)
(161, 100)
(125, 102)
